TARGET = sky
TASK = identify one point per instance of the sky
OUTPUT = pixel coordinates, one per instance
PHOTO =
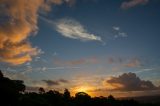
(100, 47)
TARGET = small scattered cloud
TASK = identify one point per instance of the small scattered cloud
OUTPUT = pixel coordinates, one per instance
(129, 82)
(118, 33)
(116, 28)
(114, 60)
(55, 54)
(133, 3)
(73, 29)
(135, 62)
(129, 62)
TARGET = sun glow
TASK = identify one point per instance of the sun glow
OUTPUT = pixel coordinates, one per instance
(85, 88)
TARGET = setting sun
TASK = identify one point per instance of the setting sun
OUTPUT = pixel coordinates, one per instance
(85, 88)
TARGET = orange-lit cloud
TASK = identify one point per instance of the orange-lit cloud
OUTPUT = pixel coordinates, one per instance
(18, 53)
(21, 21)
(18, 21)
(113, 86)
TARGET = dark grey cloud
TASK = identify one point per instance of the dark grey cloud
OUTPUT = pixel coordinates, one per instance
(51, 83)
(63, 81)
(130, 82)
(56, 82)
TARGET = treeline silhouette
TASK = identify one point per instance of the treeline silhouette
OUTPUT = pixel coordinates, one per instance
(12, 93)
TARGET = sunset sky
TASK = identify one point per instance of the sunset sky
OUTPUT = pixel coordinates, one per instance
(100, 47)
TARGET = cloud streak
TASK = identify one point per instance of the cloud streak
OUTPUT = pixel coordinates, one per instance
(76, 62)
(73, 29)
(133, 3)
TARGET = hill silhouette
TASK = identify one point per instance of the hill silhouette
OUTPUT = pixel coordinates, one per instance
(12, 93)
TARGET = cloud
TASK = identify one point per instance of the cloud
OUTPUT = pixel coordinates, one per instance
(130, 62)
(73, 29)
(63, 81)
(55, 83)
(12, 74)
(16, 28)
(82, 61)
(118, 32)
(133, 3)
(50, 82)
(133, 63)
(18, 21)
(146, 70)
(115, 60)
(30, 69)
(53, 68)
(116, 28)
(46, 6)
(129, 82)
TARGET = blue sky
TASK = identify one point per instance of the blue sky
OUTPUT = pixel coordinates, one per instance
(85, 42)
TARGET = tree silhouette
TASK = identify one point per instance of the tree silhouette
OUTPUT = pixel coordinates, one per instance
(11, 95)
(10, 89)
(1, 74)
(19, 86)
(41, 90)
(66, 94)
(111, 98)
(82, 98)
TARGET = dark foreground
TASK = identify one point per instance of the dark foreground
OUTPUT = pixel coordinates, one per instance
(12, 94)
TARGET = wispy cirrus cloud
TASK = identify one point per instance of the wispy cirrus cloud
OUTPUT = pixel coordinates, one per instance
(76, 62)
(133, 3)
(71, 28)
